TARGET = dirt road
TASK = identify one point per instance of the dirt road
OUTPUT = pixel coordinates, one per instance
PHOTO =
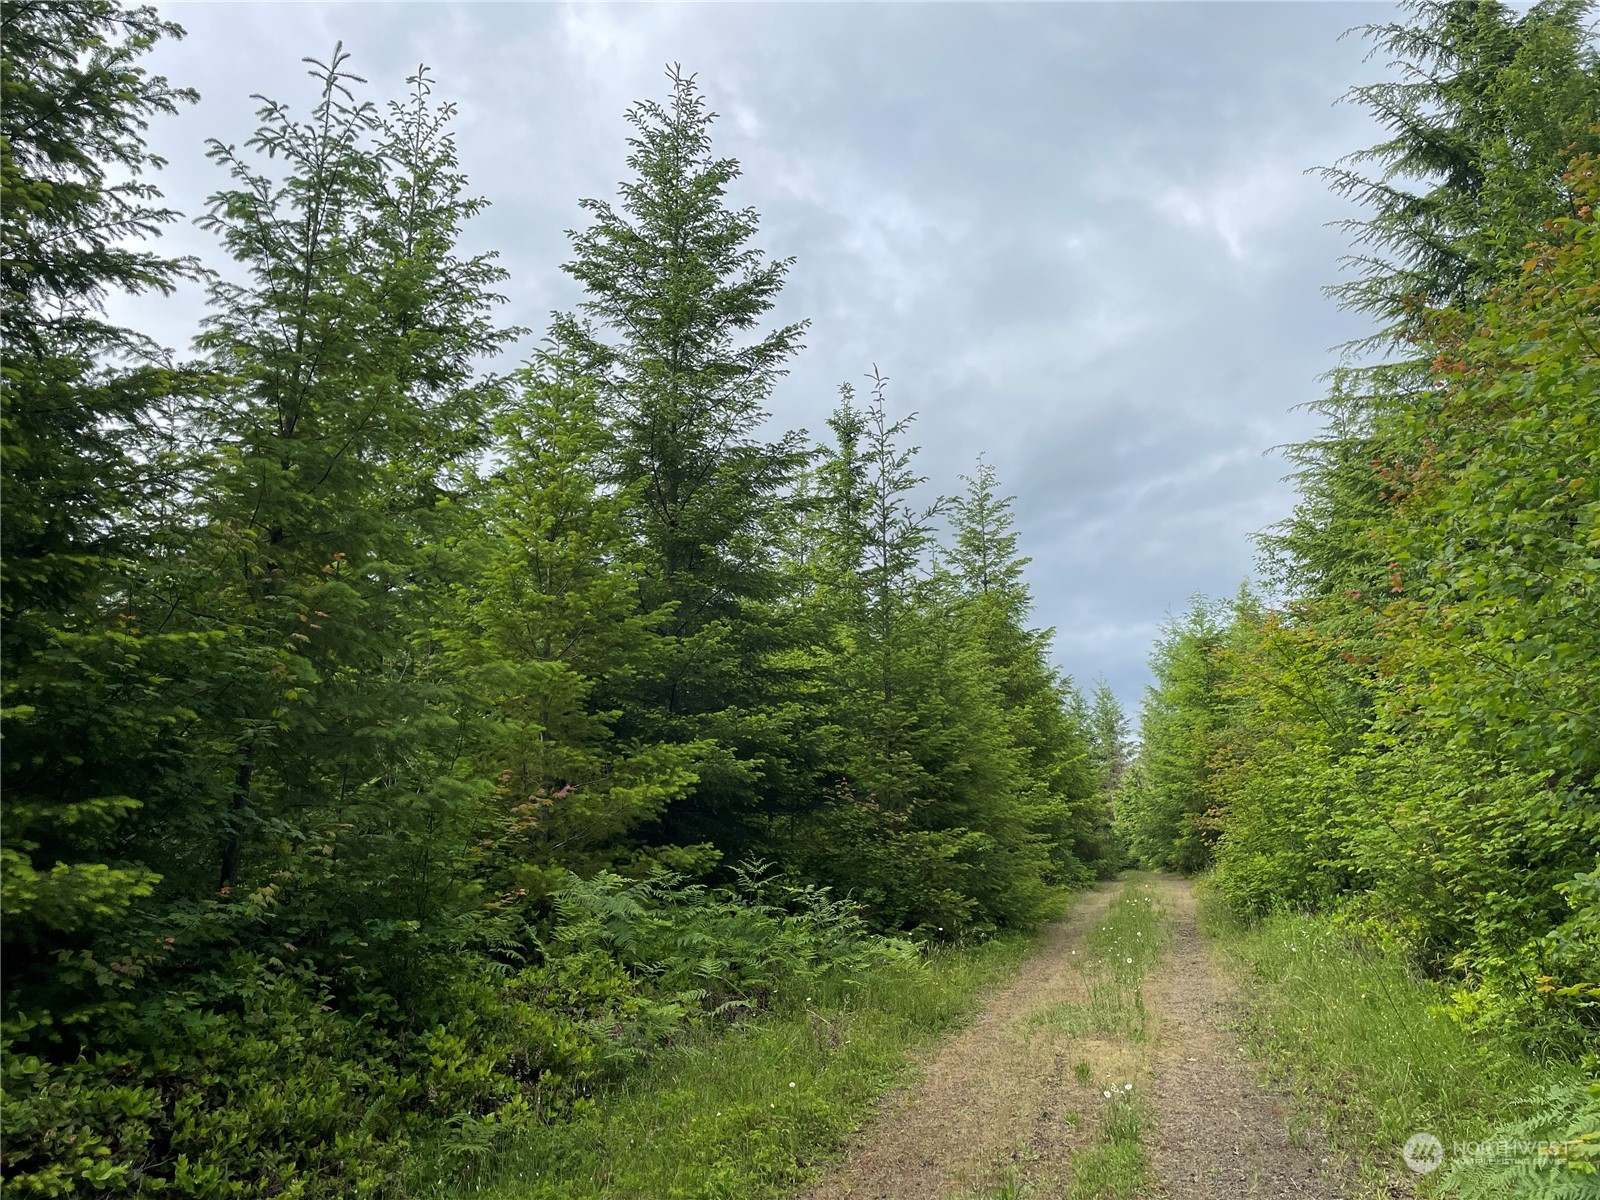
(1084, 1074)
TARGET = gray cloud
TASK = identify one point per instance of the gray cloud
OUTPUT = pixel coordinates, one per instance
(1077, 236)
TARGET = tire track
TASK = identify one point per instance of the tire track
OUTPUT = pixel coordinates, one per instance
(998, 1094)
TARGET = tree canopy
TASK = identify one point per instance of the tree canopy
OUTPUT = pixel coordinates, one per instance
(398, 743)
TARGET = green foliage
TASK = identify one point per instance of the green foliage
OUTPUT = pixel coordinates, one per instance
(382, 732)
(1497, 536)
(1165, 813)
(254, 1079)
(672, 277)
(1439, 790)
(1407, 740)
(1364, 1041)
(1556, 1154)
(1108, 726)
(757, 1111)
(83, 690)
(548, 620)
(1486, 109)
(668, 339)
(963, 788)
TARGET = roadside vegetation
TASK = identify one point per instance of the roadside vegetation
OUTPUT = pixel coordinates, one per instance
(406, 747)
(1388, 752)
(1368, 1046)
(753, 1110)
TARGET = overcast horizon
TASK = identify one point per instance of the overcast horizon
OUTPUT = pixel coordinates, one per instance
(1078, 238)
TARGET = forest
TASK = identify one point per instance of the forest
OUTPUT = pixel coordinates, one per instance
(1400, 721)
(403, 745)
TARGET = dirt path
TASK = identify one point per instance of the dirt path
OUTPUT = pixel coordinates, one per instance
(1003, 1108)
(1217, 1131)
(992, 1096)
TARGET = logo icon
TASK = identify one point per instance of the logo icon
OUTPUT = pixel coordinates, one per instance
(1423, 1153)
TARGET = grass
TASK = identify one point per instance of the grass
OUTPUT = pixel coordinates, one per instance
(1116, 1166)
(1118, 952)
(751, 1112)
(1364, 1043)
(1012, 1187)
(1116, 955)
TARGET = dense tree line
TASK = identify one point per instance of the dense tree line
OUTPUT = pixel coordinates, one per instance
(1407, 731)
(397, 746)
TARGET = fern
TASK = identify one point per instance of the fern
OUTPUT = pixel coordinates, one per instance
(1565, 1123)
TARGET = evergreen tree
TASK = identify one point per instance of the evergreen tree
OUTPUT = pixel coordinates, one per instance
(1040, 706)
(936, 821)
(1167, 819)
(1111, 753)
(351, 402)
(77, 105)
(984, 553)
(1109, 728)
(84, 671)
(670, 336)
(548, 620)
(345, 683)
(1490, 104)
(898, 539)
(672, 279)
(1410, 739)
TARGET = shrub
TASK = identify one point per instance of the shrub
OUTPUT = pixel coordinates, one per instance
(257, 1078)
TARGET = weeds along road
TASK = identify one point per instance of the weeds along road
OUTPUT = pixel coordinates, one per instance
(1105, 1067)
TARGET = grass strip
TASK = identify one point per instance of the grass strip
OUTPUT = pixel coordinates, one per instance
(1362, 1040)
(1120, 951)
(752, 1110)
(1117, 1166)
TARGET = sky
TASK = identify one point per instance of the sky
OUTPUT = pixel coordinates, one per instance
(1078, 238)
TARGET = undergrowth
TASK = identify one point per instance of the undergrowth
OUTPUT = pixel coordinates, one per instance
(748, 1111)
(1369, 1047)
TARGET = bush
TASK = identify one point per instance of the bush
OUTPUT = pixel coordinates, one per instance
(258, 1079)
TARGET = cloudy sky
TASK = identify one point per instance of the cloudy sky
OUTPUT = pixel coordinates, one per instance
(1078, 238)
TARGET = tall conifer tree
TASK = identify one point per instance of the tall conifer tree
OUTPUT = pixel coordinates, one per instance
(1042, 709)
(1488, 107)
(671, 334)
(85, 670)
(350, 353)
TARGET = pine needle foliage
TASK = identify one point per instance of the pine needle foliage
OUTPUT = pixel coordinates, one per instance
(402, 751)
